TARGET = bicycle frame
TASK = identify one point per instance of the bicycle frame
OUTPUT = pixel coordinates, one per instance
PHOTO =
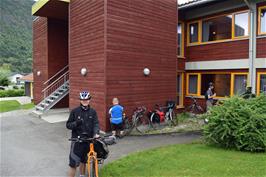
(92, 158)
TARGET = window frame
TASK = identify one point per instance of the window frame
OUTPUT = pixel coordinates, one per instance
(233, 37)
(232, 85)
(259, 21)
(198, 84)
(232, 82)
(258, 81)
(183, 39)
(181, 105)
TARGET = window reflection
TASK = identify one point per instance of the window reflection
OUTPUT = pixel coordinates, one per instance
(241, 24)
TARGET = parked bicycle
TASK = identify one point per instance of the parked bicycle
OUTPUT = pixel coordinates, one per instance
(97, 154)
(139, 121)
(194, 108)
(163, 114)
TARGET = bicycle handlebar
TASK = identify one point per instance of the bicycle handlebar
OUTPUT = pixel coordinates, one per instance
(81, 139)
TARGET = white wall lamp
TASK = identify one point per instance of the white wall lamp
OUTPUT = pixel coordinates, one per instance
(146, 71)
(83, 71)
(38, 73)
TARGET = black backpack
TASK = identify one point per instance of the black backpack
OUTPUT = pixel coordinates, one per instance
(101, 149)
(206, 95)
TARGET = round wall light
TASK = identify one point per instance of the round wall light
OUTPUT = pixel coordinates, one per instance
(83, 71)
(146, 71)
(38, 73)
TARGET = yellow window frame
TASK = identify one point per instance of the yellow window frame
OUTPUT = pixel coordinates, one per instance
(232, 85)
(258, 81)
(233, 37)
(181, 105)
(259, 21)
(198, 84)
(183, 39)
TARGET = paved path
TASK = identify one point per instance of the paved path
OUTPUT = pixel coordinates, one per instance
(33, 147)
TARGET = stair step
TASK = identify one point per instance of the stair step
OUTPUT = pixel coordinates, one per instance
(49, 100)
(54, 96)
(45, 104)
(36, 113)
(39, 108)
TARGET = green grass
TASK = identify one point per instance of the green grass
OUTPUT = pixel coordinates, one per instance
(188, 160)
(11, 105)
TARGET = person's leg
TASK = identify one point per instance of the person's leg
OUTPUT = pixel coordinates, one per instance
(72, 172)
(82, 167)
(113, 127)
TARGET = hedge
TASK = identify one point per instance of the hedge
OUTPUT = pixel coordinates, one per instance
(11, 93)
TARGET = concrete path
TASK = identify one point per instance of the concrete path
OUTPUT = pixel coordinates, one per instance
(34, 147)
(20, 99)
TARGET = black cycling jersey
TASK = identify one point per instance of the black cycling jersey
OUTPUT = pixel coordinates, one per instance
(83, 120)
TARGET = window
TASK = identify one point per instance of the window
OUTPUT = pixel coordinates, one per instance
(221, 83)
(193, 33)
(180, 39)
(219, 28)
(262, 20)
(240, 84)
(241, 25)
(179, 94)
(225, 84)
(193, 81)
(261, 83)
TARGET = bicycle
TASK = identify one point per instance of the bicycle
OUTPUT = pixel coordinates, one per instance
(139, 121)
(158, 115)
(194, 108)
(94, 157)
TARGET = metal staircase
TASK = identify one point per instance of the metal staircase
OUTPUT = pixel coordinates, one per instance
(57, 87)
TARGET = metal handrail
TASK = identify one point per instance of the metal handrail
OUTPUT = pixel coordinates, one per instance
(55, 75)
(55, 84)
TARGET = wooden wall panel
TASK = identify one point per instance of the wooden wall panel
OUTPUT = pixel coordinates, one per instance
(86, 49)
(40, 56)
(218, 51)
(141, 34)
(261, 47)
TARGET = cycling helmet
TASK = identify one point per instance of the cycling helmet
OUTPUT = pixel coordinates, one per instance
(84, 95)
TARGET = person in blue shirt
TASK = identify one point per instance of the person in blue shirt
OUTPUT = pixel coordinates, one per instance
(116, 119)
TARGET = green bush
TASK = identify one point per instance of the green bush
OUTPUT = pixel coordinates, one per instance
(11, 93)
(238, 123)
(15, 87)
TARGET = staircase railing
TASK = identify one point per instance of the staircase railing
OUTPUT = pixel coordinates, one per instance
(60, 72)
(55, 84)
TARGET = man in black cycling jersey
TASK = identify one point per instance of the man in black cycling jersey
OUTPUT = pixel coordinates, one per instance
(82, 121)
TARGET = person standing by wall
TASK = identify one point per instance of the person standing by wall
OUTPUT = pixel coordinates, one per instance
(116, 112)
(83, 121)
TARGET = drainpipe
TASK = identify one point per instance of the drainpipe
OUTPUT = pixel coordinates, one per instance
(252, 44)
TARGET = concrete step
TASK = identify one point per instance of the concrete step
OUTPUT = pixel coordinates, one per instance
(39, 108)
(36, 113)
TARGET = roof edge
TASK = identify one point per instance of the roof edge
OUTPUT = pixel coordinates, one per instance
(194, 3)
(40, 3)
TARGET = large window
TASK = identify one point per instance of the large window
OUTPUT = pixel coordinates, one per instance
(262, 20)
(241, 25)
(225, 84)
(219, 28)
(180, 40)
(261, 83)
(193, 32)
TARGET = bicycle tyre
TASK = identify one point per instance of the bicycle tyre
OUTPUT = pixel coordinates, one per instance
(143, 124)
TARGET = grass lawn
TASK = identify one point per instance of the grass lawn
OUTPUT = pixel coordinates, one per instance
(186, 160)
(11, 105)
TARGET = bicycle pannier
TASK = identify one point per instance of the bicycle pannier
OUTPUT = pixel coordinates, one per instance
(101, 149)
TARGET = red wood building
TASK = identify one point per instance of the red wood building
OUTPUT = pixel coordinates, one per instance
(185, 47)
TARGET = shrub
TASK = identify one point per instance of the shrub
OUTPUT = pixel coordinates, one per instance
(11, 93)
(238, 123)
(15, 87)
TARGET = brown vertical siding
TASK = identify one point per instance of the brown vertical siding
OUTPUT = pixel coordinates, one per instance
(141, 34)
(86, 49)
(40, 56)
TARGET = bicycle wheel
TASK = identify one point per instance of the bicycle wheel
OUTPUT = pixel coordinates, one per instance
(172, 118)
(143, 124)
(91, 170)
(155, 120)
(127, 126)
